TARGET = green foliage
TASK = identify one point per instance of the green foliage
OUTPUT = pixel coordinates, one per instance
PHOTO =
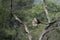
(25, 10)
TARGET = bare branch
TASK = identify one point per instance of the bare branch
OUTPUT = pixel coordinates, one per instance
(28, 33)
(17, 18)
(47, 15)
(46, 30)
(50, 24)
(46, 11)
(26, 29)
(44, 33)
